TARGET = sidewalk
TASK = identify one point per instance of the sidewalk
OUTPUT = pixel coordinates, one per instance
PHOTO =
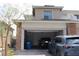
(32, 53)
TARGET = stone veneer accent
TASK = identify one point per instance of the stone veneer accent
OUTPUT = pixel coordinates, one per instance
(18, 36)
(71, 28)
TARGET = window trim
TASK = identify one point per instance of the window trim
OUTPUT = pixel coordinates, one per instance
(49, 17)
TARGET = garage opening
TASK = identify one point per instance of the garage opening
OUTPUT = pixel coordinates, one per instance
(39, 39)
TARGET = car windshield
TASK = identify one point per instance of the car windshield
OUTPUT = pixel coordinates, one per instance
(72, 41)
(59, 40)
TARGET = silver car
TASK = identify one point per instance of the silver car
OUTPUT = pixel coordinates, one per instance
(67, 45)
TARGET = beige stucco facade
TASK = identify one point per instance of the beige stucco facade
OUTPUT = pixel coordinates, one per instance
(61, 20)
(56, 13)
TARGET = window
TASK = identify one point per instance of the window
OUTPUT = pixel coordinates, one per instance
(77, 16)
(33, 12)
(47, 15)
(59, 40)
(72, 40)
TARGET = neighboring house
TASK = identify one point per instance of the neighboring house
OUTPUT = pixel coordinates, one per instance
(4, 36)
(46, 22)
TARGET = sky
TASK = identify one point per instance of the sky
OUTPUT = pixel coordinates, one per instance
(68, 4)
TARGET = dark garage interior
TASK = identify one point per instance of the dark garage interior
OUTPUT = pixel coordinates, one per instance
(39, 36)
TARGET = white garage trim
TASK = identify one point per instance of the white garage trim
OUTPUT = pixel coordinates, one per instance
(43, 26)
(33, 26)
(22, 39)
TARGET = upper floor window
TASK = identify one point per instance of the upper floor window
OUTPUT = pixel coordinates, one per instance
(47, 15)
(77, 16)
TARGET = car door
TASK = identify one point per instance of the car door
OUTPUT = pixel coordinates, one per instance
(73, 47)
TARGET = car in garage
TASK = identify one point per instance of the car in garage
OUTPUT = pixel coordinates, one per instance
(68, 45)
(43, 43)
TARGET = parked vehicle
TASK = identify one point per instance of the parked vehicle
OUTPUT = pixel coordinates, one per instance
(52, 47)
(43, 43)
(67, 45)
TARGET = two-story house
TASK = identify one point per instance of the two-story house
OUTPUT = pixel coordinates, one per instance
(46, 22)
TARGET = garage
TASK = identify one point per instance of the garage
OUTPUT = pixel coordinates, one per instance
(38, 32)
(38, 37)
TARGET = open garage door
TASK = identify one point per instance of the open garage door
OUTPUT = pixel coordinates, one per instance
(36, 38)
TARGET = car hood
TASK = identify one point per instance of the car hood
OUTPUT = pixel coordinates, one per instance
(67, 44)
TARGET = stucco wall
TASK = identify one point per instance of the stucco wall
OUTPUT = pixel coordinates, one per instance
(40, 16)
(56, 14)
(43, 25)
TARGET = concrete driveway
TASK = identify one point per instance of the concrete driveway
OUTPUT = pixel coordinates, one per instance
(32, 53)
